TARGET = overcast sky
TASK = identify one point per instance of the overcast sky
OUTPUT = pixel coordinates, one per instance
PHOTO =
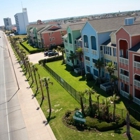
(52, 9)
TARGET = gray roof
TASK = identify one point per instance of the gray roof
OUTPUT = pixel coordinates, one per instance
(133, 29)
(136, 48)
(77, 26)
(107, 24)
(45, 28)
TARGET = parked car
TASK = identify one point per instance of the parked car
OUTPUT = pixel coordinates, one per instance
(53, 53)
(46, 52)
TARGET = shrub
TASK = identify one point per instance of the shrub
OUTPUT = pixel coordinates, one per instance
(89, 76)
(91, 122)
(104, 126)
(67, 114)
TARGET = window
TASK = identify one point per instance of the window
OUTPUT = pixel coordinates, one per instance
(85, 41)
(93, 43)
(70, 39)
(114, 51)
(94, 60)
(95, 72)
(88, 69)
(115, 64)
(107, 50)
(87, 58)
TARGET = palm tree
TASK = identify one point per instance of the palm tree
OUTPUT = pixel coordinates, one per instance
(98, 96)
(47, 81)
(62, 50)
(114, 99)
(79, 51)
(128, 124)
(110, 68)
(81, 94)
(99, 64)
(40, 83)
(89, 92)
(106, 102)
(34, 70)
(72, 57)
(114, 80)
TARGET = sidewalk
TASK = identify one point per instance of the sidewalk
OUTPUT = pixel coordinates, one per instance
(33, 118)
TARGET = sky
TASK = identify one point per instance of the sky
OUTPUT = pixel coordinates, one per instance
(53, 9)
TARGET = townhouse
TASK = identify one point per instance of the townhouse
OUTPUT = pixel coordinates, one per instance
(128, 57)
(72, 40)
(99, 42)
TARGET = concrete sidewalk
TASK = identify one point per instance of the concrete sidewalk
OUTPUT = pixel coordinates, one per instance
(33, 118)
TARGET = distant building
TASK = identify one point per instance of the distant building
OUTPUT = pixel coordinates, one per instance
(22, 22)
(7, 23)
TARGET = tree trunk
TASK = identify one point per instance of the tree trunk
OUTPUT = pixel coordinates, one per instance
(128, 124)
(48, 95)
(82, 106)
(35, 78)
(114, 108)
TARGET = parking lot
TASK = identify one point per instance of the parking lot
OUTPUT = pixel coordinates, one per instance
(34, 58)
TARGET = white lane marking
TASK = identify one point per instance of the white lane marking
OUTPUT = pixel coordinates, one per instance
(6, 100)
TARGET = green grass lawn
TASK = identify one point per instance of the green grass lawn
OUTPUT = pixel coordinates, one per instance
(29, 47)
(62, 101)
(77, 82)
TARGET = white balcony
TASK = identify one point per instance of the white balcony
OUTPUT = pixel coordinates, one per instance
(124, 93)
(94, 52)
(137, 65)
(86, 49)
(136, 100)
(124, 78)
(87, 62)
(101, 52)
(137, 83)
(124, 61)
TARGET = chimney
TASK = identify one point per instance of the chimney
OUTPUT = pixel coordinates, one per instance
(129, 21)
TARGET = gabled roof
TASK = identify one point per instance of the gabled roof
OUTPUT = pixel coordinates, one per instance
(107, 24)
(76, 26)
(136, 48)
(47, 26)
(133, 29)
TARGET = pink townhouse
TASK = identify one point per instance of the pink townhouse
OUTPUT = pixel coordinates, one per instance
(128, 57)
(53, 36)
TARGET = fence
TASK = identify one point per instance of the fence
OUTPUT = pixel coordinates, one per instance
(76, 96)
(65, 85)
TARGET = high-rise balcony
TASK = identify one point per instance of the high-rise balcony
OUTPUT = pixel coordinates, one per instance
(137, 65)
(86, 49)
(124, 61)
(124, 93)
(94, 52)
(137, 83)
(87, 62)
(124, 78)
(70, 45)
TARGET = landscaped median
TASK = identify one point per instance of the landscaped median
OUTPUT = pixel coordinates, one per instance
(30, 48)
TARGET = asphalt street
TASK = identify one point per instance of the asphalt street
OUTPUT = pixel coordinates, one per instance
(12, 125)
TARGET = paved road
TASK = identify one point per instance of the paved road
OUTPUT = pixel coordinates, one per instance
(12, 126)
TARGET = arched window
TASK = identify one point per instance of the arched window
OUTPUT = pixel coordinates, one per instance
(93, 43)
(85, 41)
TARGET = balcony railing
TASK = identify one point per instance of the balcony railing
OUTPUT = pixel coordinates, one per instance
(124, 77)
(87, 62)
(94, 52)
(124, 93)
(136, 100)
(101, 52)
(124, 61)
(137, 83)
(86, 49)
(70, 45)
(137, 65)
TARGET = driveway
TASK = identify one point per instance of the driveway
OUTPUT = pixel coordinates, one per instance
(34, 58)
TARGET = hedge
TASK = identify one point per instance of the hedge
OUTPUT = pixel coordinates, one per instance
(134, 123)
(51, 59)
(34, 50)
